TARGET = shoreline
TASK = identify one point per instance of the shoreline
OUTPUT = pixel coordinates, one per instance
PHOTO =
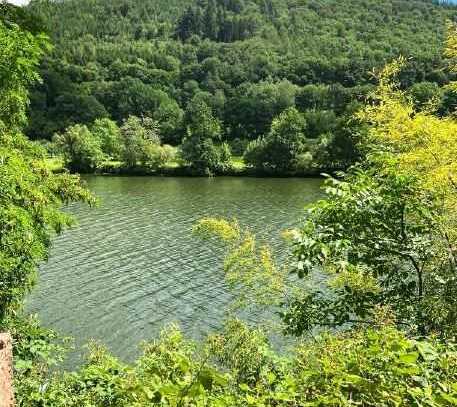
(114, 169)
(190, 173)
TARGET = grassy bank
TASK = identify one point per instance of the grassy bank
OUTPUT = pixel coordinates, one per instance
(176, 168)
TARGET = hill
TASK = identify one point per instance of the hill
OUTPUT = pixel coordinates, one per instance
(247, 60)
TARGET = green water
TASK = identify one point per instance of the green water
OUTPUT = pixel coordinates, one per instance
(131, 265)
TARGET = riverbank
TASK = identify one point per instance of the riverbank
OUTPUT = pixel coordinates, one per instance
(237, 168)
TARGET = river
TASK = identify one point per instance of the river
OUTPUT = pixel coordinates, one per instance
(131, 265)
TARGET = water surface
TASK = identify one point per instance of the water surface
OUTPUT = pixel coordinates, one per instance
(131, 265)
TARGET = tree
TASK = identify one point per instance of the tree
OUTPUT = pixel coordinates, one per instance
(21, 16)
(210, 22)
(320, 122)
(140, 141)
(71, 109)
(386, 234)
(17, 72)
(198, 147)
(109, 134)
(201, 122)
(31, 195)
(202, 154)
(81, 149)
(425, 94)
(170, 118)
(281, 148)
(253, 108)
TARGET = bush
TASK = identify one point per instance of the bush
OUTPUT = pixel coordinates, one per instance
(374, 367)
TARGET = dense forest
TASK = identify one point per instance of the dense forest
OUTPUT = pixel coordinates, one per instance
(237, 65)
(380, 330)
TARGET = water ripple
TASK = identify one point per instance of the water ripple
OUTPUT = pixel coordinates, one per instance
(131, 265)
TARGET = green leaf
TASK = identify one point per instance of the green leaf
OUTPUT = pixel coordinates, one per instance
(409, 358)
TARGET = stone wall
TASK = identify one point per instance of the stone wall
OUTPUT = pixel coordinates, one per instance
(6, 371)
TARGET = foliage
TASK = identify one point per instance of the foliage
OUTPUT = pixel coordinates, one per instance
(346, 370)
(221, 21)
(201, 121)
(109, 134)
(141, 142)
(135, 144)
(249, 267)
(30, 194)
(248, 60)
(81, 149)
(20, 54)
(170, 118)
(385, 240)
(385, 234)
(285, 142)
(31, 197)
(425, 94)
(376, 239)
(238, 367)
(36, 350)
(198, 147)
(11, 14)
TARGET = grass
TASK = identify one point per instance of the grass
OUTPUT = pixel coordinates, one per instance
(56, 164)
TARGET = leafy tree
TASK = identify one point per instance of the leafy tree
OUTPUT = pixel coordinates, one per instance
(320, 122)
(170, 118)
(11, 14)
(31, 195)
(198, 147)
(73, 109)
(81, 149)
(256, 105)
(17, 72)
(425, 94)
(202, 154)
(201, 121)
(280, 149)
(386, 234)
(313, 97)
(257, 153)
(141, 142)
(136, 98)
(109, 135)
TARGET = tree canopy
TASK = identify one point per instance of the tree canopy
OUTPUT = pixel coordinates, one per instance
(248, 60)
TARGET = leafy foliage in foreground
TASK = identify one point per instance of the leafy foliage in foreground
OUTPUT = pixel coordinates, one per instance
(238, 367)
(31, 196)
(385, 234)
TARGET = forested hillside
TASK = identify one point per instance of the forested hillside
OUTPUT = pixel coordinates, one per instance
(243, 62)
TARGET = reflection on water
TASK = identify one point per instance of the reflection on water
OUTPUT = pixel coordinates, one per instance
(131, 265)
